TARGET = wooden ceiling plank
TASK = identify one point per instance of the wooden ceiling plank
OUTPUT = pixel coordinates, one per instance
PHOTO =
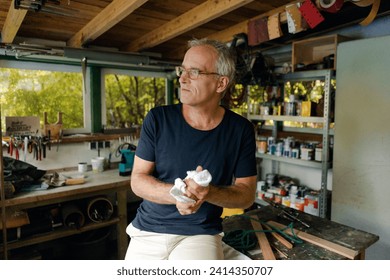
(12, 23)
(227, 34)
(115, 12)
(199, 15)
(223, 36)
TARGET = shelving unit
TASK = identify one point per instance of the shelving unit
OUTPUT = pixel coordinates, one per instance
(324, 165)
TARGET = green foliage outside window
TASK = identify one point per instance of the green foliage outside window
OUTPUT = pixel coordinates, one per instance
(33, 92)
(129, 98)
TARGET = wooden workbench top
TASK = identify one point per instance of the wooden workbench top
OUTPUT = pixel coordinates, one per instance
(104, 182)
(330, 231)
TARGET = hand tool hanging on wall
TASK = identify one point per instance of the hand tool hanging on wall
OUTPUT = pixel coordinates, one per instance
(26, 144)
(25, 148)
(11, 147)
(53, 131)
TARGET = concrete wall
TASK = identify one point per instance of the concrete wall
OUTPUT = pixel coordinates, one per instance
(361, 178)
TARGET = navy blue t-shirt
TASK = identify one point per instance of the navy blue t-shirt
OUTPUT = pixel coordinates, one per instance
(227, 152)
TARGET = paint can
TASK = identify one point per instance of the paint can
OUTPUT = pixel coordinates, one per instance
(270, 179)
(290, 108)
(286, 201)
(82, 167)
(318, 154)
(262, 145)
(295, 153)
(306, 153)
(279, 149)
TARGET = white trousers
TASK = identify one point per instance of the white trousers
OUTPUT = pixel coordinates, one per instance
(146, 245)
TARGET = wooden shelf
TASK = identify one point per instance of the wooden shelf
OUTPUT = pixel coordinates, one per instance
(313, 50)
(80, 138)
(300, 162)
(287, 118)
(56, 234)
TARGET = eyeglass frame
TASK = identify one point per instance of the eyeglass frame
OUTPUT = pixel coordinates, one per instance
(197, 73)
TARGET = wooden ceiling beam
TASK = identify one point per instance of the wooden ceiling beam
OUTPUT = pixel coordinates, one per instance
(199, 15)
(115, 12)
(12, 23)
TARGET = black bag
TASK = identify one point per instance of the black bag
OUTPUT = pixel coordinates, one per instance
(20, 173)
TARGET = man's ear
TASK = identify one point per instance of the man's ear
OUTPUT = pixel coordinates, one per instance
(222, 84)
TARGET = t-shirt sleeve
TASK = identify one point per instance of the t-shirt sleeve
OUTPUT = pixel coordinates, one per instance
(147, 142)
(246, 165)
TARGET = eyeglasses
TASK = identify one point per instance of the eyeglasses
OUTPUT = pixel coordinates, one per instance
(193, 73)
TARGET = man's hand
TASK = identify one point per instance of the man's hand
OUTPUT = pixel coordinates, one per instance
(188, 208)
(194, 191)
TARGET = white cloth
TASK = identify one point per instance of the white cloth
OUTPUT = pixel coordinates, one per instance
(202, 178)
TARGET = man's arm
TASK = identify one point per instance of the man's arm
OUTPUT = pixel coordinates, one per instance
(239, 195)
(148, 187)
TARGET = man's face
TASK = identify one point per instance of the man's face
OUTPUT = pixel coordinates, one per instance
(205, 89)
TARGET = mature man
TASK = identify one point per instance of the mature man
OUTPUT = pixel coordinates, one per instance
(197, 134)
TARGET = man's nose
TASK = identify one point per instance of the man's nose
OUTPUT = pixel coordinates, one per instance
(184, 76)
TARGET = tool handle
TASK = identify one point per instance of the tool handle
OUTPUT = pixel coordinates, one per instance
(74, 181)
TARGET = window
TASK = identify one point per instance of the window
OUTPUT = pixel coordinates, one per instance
(37, 88)
(129, 95)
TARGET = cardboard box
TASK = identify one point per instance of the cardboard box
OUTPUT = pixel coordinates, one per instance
(16, 126)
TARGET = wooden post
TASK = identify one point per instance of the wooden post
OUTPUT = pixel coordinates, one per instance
(2, 198)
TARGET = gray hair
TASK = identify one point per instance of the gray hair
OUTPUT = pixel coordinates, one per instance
(225, 64)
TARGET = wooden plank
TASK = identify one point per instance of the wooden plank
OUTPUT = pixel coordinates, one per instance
(58, 233)
(227, 34)
(346, 252)
(280, 238)
(115, 12)
(12, 23)
(195, 17)
(265, 247)
(122, 241)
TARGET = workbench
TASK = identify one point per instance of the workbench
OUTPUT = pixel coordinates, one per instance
(331, 234)
(96, 184)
